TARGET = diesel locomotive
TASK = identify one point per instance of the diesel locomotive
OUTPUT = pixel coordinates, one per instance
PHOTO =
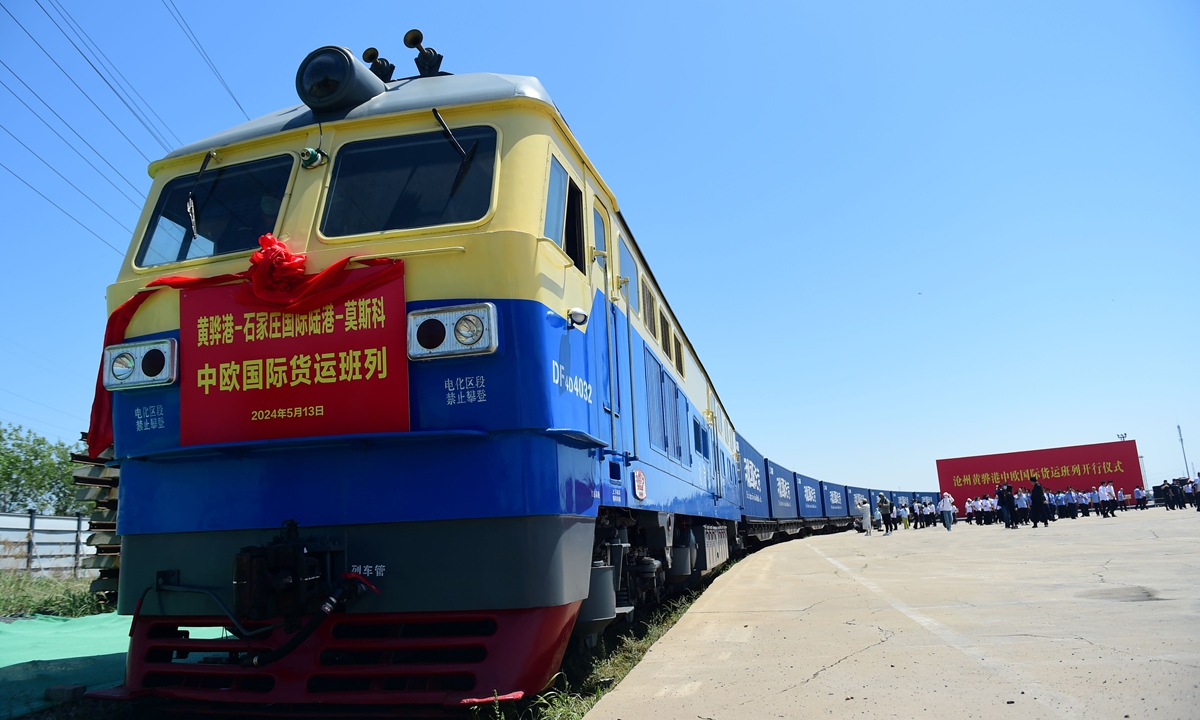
(398, 406)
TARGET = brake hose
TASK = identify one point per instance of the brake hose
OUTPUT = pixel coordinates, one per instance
(354, 586)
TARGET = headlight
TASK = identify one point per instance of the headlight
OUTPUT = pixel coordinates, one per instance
(331, 79)
(123, 366)
(474, 331)
(324, 74)
(141, 364)
(468, 330)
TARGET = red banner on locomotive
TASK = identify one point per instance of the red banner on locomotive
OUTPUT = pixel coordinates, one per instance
(249, 374)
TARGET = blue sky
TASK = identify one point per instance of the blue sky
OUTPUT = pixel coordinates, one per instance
(893, 232)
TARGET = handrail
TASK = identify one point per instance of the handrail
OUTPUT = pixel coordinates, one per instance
(408, 253)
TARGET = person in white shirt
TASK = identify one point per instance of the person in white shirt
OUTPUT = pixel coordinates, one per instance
(947, 509)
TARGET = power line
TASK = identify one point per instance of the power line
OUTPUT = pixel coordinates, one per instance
(66, 180)
(191, 36)
(69, 127)
(43, 359)
(42, 422)
(77, 87)
(113, 66)
(35, 402)
(64, 212)
(73, 148)
(137, 114)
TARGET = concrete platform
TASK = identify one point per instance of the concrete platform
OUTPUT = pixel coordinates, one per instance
(1090, 618)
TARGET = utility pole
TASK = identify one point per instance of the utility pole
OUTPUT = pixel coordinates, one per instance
(1181, 446)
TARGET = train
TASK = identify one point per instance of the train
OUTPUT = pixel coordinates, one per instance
(398, 407)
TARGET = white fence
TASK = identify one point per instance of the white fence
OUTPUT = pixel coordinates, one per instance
(44, 544)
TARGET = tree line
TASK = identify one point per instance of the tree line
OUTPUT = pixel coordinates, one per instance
(36, 473)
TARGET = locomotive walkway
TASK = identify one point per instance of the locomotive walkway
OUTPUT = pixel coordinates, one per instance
(1091, 618)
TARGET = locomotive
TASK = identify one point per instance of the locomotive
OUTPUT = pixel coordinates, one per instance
(399, 408)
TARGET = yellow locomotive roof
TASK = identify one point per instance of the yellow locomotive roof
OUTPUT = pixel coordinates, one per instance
(403, 95)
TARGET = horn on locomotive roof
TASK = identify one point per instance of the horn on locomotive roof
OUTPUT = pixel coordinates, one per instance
(429, 62)
(379, 66)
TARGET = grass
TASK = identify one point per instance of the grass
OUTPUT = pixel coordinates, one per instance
(588, 674)
(24, 594)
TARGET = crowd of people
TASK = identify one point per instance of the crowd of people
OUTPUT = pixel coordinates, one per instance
(1017, 506)
(892, 516)
(1021, 506)
(1181, 493)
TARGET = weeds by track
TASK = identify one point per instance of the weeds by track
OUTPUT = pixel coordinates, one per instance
(24, 594)
(587, 675)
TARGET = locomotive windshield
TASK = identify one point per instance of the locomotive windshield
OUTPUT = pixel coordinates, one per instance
(399, 183)
(234, 206)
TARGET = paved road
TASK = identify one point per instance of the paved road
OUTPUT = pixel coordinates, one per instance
(1091, 618)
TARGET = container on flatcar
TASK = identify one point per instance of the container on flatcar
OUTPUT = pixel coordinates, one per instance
(834, 500)
(808, 496)
(873, 497)
(782, 485)
(855, 495)
(755, 495)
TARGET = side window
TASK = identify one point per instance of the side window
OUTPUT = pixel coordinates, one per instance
(670, 392)
(654, 400)
(666, 334)
(700, 438)
(556, 202)
(573, 241)
(651, 314)
(678, 355)
(629, 276)
(598, 234)
(564, 214)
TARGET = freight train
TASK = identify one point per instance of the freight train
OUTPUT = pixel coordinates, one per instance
(399, 408)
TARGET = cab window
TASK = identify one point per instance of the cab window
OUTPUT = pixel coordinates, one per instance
(556, 202)
(411, 181)
(235, 205)
(564, 214)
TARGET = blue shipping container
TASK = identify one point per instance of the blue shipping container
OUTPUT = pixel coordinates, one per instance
(754, 498)
(833, 500)
(782, 484)
(808, 496)
(854, 495)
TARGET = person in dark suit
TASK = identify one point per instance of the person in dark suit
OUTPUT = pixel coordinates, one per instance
(1038, 495)
(1010, 508)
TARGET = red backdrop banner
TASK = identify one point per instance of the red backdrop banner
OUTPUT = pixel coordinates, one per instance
(254, 374)
(1078, 466)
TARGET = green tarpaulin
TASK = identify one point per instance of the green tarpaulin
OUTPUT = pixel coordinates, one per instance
(45, 651)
